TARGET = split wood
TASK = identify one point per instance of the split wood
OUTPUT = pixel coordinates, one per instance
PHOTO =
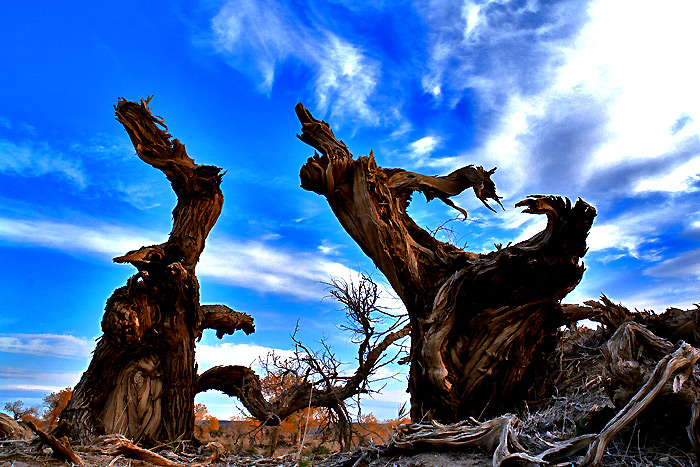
(118, 445)
(60, 446)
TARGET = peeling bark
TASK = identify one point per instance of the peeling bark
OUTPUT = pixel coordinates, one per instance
(141, 380)
(478, 322)
(225, 320)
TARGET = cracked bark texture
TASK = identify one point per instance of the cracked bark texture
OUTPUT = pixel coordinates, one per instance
(478, 321)
(142, 378)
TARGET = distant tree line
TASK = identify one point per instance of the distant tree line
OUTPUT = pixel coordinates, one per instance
(46, 414)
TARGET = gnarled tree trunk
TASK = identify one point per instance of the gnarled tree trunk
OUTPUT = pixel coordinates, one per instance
(141, 381)
(478, 322)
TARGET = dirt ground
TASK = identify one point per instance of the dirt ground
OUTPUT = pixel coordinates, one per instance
(230, 460)
(619, 454)
(574, 402)
(617, 457)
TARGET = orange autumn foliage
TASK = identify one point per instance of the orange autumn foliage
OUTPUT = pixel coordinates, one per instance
(205, 423)
(55, 403)
(292, 427)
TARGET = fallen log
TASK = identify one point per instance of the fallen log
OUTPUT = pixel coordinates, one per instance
(60, 446)
(116, 444)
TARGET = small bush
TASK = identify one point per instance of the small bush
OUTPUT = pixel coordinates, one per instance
(322, 449)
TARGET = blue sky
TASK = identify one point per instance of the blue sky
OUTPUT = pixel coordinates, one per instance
(595, 99)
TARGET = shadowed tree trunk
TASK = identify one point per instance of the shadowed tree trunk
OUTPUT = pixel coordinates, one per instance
(478, 322)
(141, 380)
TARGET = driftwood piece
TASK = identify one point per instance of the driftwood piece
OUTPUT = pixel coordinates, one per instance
(648, 370)
(673, 324)
(684, 358)
(693, 428)
(115, 444)
(498, 436)
(631, 355)
(10, 428)
(217, 450)
(61, 446)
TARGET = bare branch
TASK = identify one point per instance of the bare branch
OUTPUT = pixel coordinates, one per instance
(314, 378)
(197, 187)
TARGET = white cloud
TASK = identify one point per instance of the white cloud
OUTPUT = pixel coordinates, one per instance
(266, 33)
(105, 146)
(637, 231)
(29, 387)
(681, 178)
(235, 354)
(402, 126)
(419, 152)
(37, 160)
(606, 236)
(257, 266)
(424, 146)
(47, 345)
(140, 195)
(685, 264)
(97, 238)
(531, 228)
(20, 127)
(346, 79)
(250, 264)
(575, 98)
(23, 376)
(328, 248)
(265, 27)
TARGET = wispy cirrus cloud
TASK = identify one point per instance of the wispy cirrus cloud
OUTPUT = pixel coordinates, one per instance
(261, 267)
(47, 345)
(496, 48)
(686, 264)
(256, 37)
(105, 146)
(30, 159)
(251, 264)
(420, 151)
(424, 146)
(23, 379)
(97, 238)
